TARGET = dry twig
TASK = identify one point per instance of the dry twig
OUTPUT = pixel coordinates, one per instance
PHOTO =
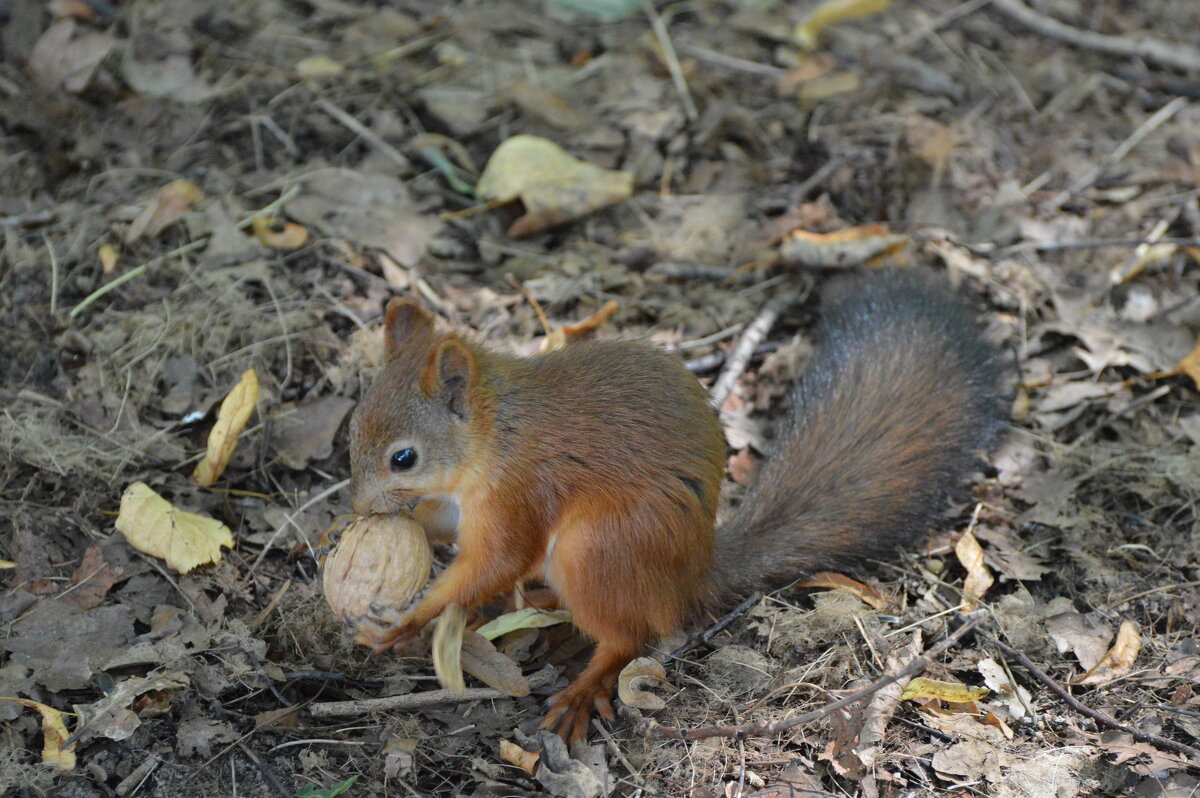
(1175, 55)
(652, 728)
(740, 356)
(429, 698)
(1103, 719)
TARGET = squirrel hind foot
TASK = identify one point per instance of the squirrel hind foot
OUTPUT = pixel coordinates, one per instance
(572, 708)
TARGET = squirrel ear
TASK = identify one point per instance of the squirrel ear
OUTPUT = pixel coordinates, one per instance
(449, 374)
(406, 324)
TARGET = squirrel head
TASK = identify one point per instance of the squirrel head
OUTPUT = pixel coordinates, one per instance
(409, 434)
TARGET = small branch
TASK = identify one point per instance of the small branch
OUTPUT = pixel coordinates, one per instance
(672, 62)
(1175, 55)
(696, 641)
(429, 698)
(363, 132)
(652, 728)
(1103, 719)
(740, 356)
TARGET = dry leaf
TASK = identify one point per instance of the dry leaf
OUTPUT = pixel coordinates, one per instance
(231, 419)
(447, 648)
(1084, 635)
(528, 618)
(851, 247)
(380, 563)
(54, 734)
(318, 66)
(636, 678)
(108, 258)
(481, 659)
(1119, 660)
(1014, 697)
(580, 331)
(979, 578)
(865, 593)
(277, 233)
(514, 754)
(943, 691)
(554, 187)
(168, 206)
(832, 11)
(62, 60)
(153, 526)
(1190, 364)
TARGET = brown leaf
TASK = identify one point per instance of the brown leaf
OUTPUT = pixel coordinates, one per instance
(514, 754)
(169, 205)
(91, 581)
(634, 680)
(1119, 660)
(277, 233)
(62, 60)
(1084, 635)
(481, 659)
(979, 579)
(302, 433)
(827, 579)
(844, 248)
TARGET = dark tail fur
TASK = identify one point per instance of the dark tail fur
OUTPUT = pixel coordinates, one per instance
(886, 420)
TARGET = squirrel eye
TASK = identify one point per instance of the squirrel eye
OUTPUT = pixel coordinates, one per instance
(404, 459)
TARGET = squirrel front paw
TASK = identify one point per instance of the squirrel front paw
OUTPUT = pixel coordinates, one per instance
(380, 635)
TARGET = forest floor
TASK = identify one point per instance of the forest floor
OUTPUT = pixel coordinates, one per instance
(192, 190)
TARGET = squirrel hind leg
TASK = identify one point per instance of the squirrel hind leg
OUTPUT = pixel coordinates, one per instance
(571, 709)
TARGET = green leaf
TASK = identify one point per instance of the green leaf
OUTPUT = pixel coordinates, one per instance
(316, 792)
(528, 618)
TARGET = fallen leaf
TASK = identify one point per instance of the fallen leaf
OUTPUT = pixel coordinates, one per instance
(553, 187)
(231, 419)
(1014, 697)
(1190, 364)
(635, 679)
(551, 108)
(54, 734)
(580, 331)
(91, 581)
(943, 691)
(170, 77)
(1084, 635)
(827, 87)
(277, 233)
(1118, 661)
(111, 716)
(827, 579)
(979, 578)
(108, 258)
(153, 526)
(168, 206)
(514, 754)
(318, 66)
(62, 60)
(528, 618)
(841, 249)
(447, 648)
(481, 659)
(833, 11)
(1142, 758)
(302, 433)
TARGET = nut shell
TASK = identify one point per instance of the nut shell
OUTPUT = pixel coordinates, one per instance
(380, 563)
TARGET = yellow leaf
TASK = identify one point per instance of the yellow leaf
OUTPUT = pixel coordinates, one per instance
(554, 187)
(231, 419)
(154, 526)
(6, 564)
(54, 734)
(944, 691)
(447, 648)
(279, 234)
(832, 11)
(1119, 660)
(827, 87)
(979, 578)
(319, 66)
(528, 618)
(108, 258)
(514, 754)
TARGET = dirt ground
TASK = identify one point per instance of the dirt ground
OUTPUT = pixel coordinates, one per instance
(192, 190)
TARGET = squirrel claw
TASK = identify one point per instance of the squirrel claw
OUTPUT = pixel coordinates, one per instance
(381, 637)
(571, 710)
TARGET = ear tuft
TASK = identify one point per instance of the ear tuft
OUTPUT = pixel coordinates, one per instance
(449, 374)
(406, 325)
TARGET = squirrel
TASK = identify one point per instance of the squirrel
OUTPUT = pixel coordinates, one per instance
(597, 468)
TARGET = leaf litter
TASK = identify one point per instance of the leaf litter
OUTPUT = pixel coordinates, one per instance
(165, 175)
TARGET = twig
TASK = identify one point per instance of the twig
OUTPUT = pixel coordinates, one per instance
(1100, 243)
(652, 728)
(1095, 714)
(751, 338)
(1175, 55)
(53, 275)
(429, 698)
(266, 771)
(672, 61)
(291, 519)
(364, 132)
(1157, 119)
(714, 630)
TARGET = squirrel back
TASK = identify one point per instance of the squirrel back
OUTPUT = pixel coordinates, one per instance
(886, 419)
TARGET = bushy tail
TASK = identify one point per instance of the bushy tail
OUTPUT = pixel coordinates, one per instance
(886, 420)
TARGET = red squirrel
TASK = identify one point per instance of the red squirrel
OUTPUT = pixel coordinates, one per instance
(597, 468)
